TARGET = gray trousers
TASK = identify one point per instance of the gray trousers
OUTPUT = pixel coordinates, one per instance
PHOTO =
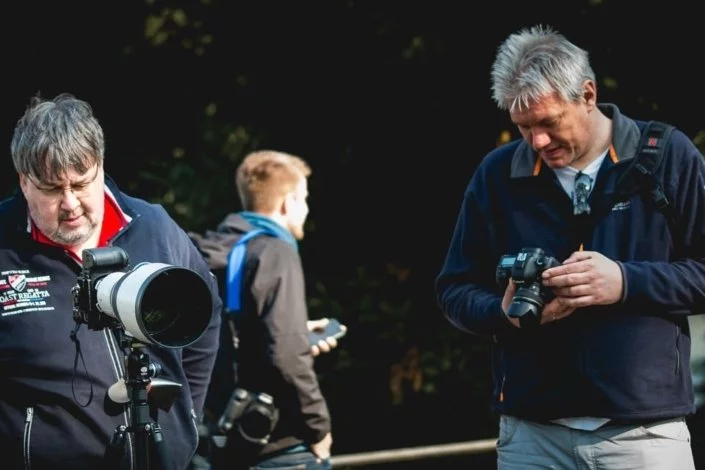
(526, 445)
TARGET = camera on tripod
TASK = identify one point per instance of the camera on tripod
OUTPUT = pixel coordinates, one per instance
(525, 269)
(154, 303)
(252, 415)
(150, 304)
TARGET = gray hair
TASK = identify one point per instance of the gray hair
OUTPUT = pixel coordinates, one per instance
(56, 136)
(537, 62)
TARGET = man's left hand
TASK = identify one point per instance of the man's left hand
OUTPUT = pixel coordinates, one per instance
(586, 278)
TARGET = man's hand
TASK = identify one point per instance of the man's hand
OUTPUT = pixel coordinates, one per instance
(555, 310)
(322, 346)
(586, 278)
(321, 449)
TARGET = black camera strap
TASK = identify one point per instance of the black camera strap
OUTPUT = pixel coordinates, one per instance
(638, 177)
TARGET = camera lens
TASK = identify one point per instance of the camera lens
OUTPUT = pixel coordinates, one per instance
(256, 424)
(527, 305)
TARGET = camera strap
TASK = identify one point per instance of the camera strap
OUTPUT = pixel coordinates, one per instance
(638, 177)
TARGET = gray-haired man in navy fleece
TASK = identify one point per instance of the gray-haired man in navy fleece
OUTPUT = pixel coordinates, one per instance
(602, 380)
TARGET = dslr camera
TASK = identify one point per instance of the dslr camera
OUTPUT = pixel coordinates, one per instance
(154, 303)
(252, 415)
(525, 269)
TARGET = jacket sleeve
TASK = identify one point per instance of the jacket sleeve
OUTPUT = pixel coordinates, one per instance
(679, 285)
(465, 287)
(198, 358)
(279, 291)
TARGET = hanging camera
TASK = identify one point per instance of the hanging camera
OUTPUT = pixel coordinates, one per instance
(154, 303)
(253, 415)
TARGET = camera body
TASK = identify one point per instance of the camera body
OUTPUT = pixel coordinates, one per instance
(525, 269)
(252, 415)
(96, 265)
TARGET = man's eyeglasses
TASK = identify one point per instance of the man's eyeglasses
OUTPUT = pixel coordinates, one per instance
(79, 189)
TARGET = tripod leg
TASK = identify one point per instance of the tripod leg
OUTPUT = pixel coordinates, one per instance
(158, 447)
(115, 451)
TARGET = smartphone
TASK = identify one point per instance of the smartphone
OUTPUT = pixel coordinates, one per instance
(333, 329)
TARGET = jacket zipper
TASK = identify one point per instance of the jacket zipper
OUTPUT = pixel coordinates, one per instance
(678, 350)
(195, 427)
(501, 389)
(29, 417)
(500, 396)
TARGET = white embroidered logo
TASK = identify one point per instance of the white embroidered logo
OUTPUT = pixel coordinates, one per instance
(622, 206)
(22, 293)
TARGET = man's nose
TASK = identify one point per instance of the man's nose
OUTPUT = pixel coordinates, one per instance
(69, 201)
(539, 139)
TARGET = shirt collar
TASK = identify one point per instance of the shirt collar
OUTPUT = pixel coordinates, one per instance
(625, 140)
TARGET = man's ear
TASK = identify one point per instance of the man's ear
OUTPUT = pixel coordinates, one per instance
(284, 204)
(590, 93)
(24, 182)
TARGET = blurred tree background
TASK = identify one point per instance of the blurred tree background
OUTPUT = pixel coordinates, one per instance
(390, 103)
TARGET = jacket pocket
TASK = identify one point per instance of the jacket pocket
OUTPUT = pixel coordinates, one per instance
(26, 438)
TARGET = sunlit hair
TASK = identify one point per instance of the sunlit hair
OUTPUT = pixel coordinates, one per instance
(56, 136)
(265, 176)
(537, 62)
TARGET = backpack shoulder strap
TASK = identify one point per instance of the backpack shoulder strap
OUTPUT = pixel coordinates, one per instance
(638, 177)
(654, 139)
(233, 277)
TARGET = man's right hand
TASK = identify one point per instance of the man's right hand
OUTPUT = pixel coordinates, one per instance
(555, 310)
(323, 346)
(321, 449)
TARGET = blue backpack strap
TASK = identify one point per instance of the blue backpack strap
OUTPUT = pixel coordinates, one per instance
(233, 278)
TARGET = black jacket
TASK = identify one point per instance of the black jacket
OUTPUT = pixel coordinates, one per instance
(54, 412)
(274, 353)
(627, 361)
